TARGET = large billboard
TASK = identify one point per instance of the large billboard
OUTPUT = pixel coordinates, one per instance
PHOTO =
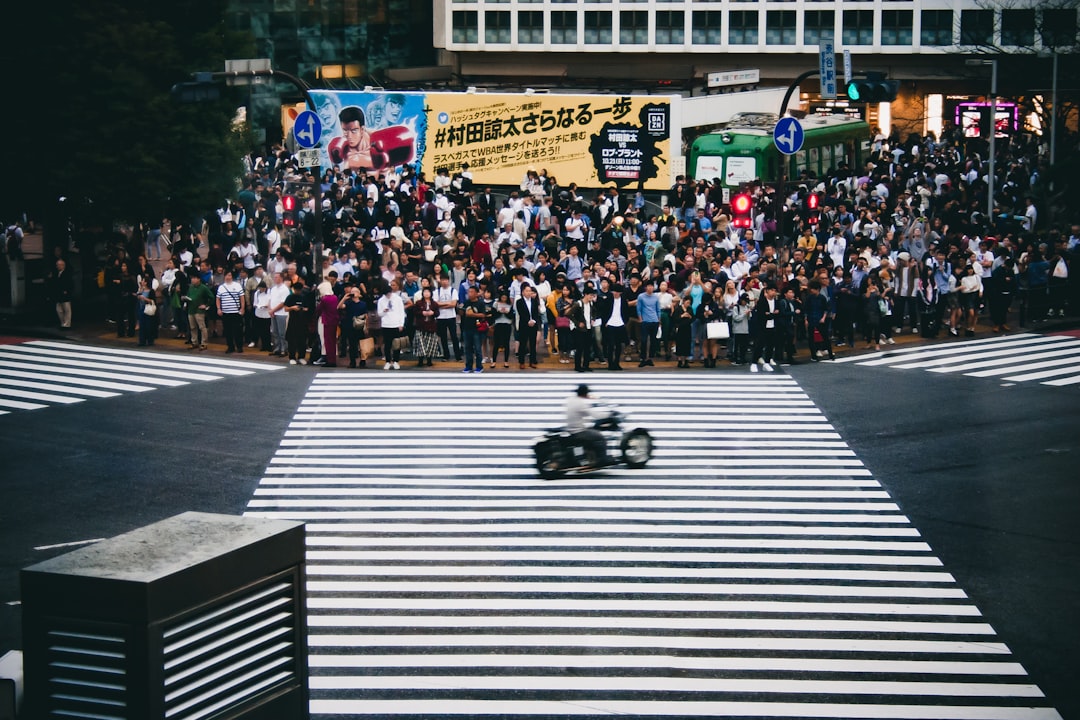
(592, 140)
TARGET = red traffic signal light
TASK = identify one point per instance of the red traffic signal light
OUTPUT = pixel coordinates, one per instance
(289, 205)
(741, 206)
(812, 205)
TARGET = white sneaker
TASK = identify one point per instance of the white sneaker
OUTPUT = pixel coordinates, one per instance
(397, 366)
(302, 361)
(292, 362)
(251, 344)
(767, 368)
(761, 361)
(914, 331)
(753, 367)
(771, 363)
(890, 341)
(387, 366)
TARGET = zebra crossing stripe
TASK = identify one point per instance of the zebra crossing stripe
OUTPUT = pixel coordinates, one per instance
(885, 356)
(19, 382)
(754, 568)
(37, 374)
(227, 366)
(1051, 359)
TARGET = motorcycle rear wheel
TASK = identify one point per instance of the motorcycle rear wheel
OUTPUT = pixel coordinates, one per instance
(551, 464)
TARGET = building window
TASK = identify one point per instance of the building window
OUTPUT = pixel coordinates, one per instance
(1059, 28)
(780, 27)
(563, 27)
(496, 26)
(858, 27)
(937, 27)
(531, 27)
(634, 27)
(896, 27)
(598, 28)
(1018, 27)
(707, 27)
(466, 26)
(670, 26)
(976, 27)
(818, 25)
(744, 27)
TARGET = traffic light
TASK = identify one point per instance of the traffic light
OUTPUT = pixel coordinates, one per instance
(812, 204)
(289, 205)
(741, 208)
(874, 88)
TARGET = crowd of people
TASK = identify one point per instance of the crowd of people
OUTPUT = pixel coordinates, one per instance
(447, 271)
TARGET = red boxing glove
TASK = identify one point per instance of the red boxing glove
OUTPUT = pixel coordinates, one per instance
(392, 146)
(337, 150)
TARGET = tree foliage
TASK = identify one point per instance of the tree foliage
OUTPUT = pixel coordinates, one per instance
(94, 117)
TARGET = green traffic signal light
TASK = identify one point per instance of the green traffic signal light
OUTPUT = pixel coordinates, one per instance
(875, 88)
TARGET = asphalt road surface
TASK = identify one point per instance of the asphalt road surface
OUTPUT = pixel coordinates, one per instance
(980, 539)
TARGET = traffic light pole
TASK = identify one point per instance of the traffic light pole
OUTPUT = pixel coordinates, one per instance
(781, 179)
(317, 241)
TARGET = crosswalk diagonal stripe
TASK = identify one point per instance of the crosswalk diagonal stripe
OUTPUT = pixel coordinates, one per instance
(216, 364)
(40, 373)
(70, 377)
(887, 357)
(1025, 357)
(753, 568)
(68, 389)
(43, 397)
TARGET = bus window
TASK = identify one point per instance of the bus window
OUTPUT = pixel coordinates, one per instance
(800, 161)
(815, 160)
(709, 167)
(740, 170)
(838, 153)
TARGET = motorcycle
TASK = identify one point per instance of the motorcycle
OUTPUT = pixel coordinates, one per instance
(558, 452)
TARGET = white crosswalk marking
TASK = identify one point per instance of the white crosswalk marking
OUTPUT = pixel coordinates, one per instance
(753, 569)
(1026, 357)
(40, 374)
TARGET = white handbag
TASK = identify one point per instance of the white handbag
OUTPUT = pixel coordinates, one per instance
(716, 330)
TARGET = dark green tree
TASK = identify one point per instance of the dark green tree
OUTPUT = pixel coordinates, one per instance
(94, 119)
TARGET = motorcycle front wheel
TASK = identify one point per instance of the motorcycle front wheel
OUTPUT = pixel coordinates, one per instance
(637, 448)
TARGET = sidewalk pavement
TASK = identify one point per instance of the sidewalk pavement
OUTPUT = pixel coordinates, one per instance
(102, 333)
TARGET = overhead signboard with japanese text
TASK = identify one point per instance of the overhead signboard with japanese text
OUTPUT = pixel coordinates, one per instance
(592, 140)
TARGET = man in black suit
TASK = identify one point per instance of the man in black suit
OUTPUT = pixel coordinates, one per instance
(488, 209)
(528, 319)
(581, 320)
(614, 314)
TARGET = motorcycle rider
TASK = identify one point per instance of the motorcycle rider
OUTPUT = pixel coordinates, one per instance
(579, 418)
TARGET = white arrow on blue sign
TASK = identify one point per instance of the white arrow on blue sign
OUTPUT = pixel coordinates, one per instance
(307, 129)
(788, 135)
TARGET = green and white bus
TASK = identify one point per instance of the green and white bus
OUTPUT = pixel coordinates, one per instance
(742, 150)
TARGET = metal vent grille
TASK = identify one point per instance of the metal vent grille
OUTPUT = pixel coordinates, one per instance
(232, 653)
(87, 676)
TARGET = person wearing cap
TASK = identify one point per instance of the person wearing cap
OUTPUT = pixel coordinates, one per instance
(579, 417)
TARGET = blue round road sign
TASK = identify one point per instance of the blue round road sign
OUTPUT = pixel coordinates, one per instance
(788, 135)
(307, 129)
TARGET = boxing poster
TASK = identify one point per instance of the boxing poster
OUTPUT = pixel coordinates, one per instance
(592, 140)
